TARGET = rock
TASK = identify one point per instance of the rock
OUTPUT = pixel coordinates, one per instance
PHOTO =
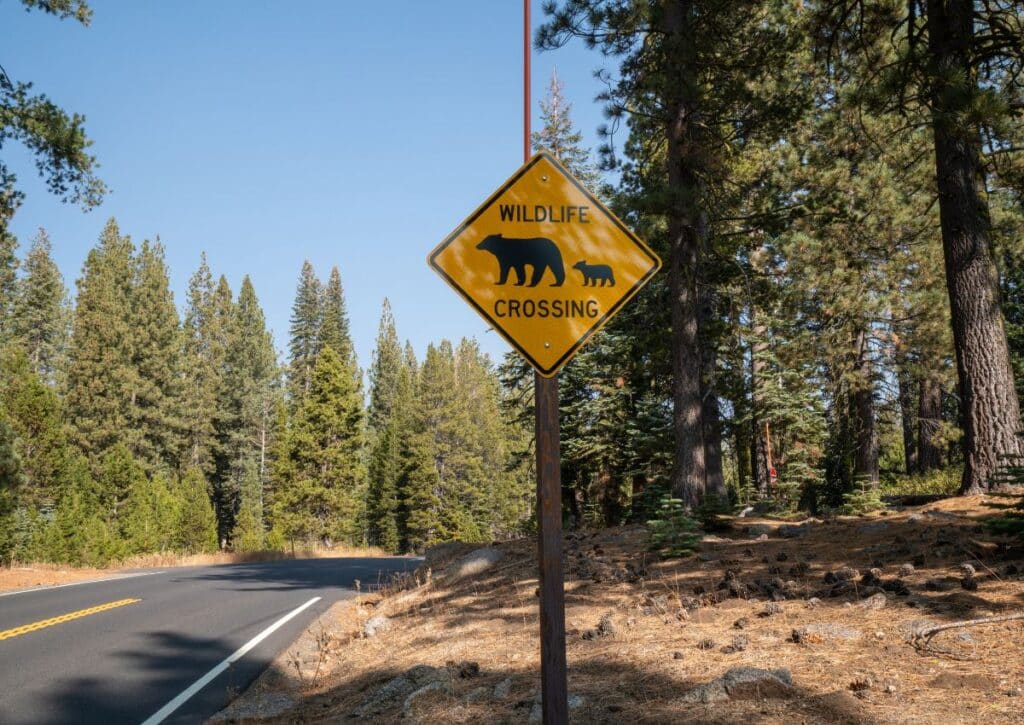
(875, 601)
(905, 570)
(799, 569)
(763, 537)
(706, 644)
(1014, 692)
(399, 688)
(503, 689)
(738, 644)
(479, 694)
(771, 609)
(915, 518)
(537, 713)
(967, 569)
(463, 670)
(890, 688)
(813, 603)
(476, 562)
(677, 655)
(791, 531)
(844, 574)
(817, 633)
(256, 707)
(437, 686)
(875, 527)
(965, 637)
(743, 683)
(376, 625)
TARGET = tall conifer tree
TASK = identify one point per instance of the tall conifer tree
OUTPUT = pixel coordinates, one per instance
(304, 334)
(154, 418)
(41, 314)
(100, 365)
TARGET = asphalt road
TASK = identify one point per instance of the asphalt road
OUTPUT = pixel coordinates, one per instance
(133, 647)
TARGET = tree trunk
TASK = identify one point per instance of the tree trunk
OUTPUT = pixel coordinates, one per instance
(865, 456)
(710, 414)
(908, 417)
(929, 418)
(743, 457)
(759, 435)
(682, 91)
(991, 408)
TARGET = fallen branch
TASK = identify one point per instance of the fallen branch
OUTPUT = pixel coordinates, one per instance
(921, 637)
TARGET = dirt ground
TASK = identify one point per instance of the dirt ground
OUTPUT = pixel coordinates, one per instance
(25, 576)
(642, 633)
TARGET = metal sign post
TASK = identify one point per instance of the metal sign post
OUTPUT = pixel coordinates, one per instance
(546, 264)
(553, 670)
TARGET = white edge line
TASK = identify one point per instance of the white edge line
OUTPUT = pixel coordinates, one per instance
(48, 587)
(165, 711)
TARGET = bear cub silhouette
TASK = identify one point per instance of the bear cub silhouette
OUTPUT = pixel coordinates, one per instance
(593, 272)
(540, 253)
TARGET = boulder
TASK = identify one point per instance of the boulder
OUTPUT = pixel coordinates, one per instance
(376, 625)
(743, 683)
(475, 563)
(817, 633)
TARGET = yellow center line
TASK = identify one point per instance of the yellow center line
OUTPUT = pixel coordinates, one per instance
(43, 623)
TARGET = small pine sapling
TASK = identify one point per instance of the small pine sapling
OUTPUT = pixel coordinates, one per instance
(673, 532)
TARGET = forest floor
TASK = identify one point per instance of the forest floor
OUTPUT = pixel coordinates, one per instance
(26, 576)
(643, 634)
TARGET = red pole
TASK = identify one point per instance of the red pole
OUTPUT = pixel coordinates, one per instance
(553, 676)
(526, 81)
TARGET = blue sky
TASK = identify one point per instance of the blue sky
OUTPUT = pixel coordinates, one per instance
(350, 133)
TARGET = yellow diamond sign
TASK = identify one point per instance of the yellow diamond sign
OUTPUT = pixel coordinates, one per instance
(545, 263)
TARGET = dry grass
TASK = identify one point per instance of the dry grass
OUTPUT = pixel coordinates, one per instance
(671, 629)
(24, 575)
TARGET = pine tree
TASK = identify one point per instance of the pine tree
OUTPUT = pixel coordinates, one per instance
(388, 416)
(41, 314)
(249, 532)
(8, 278)
(34, 411)
(304, 334)
(101, 375)
(150, 516)
(196, 525)
(204, 342)
(119, 474)
(384, 372)
(321, 480)
(560, 137)
(334, 327)
(154, 415)
(247, 401)
(11, 480)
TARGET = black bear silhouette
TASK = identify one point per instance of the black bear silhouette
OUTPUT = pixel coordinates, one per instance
(540, 253)
(593, 272)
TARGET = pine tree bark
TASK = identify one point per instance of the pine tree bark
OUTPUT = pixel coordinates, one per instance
(908, 411)
(759, 437)
(929, 418)
(681, 99)
(865, 456)
(991, 408)
(710, 413)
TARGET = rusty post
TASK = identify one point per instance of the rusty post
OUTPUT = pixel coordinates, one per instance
(554, 685)
(554, 689)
